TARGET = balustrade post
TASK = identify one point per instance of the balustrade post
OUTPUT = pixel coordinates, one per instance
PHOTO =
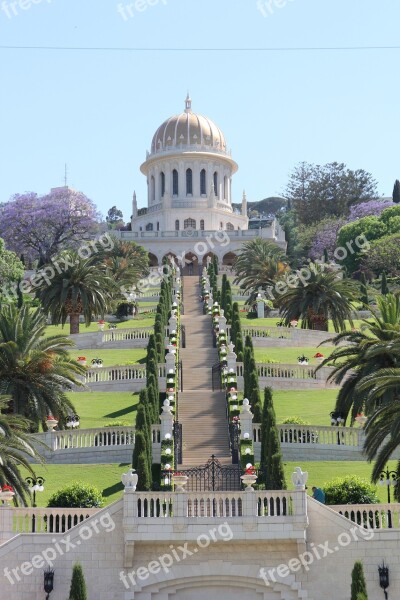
(246, 420)
(167, 420)
(6, 523)
(231, 358)
(249, 504)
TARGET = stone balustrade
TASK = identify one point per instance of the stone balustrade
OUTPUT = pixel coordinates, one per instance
(47, 520)
(286, 376)
(118, 335)
(371, 516)
(316, 434)
(90, 438)
(279, 505)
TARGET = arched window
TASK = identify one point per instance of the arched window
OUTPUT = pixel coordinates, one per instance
(216, 183)
(230, 227)
(225, 187)
(189, 182)
(221, 225)
(175, 183)
(162, 181)
(189, 223)
(152, 189)
(202, 225)
(203, 182)
(149, 227)
(158, 226)
(177, 225)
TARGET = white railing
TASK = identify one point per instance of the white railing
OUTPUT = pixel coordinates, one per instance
(281, 370)
(146, 309)
(135, 372)
(316, 434)
(91, 438)
(156, 434)
(371, 516)
(267, 504)
(49, 520)
(118, 335)
(271, 332)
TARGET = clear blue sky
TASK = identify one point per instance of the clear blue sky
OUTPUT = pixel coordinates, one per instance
(97, 110)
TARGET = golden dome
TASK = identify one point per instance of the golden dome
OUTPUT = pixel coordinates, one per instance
(188, 131)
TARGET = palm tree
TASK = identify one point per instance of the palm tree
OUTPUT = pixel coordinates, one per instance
(35, 371)
(362, 360)
(126, 262)
(324, 294)
(259, 263)
(15, 449)
(82, 288)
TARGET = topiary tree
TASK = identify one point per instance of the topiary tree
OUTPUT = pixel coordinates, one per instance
(141, 445)
(143, 470)
(350, 490)
(76, 495)
(271, 455)
(78, 585)
(358, 585)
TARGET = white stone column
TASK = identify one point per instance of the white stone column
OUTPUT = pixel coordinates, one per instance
(231, 358)
(170, 358)
(246, 421)
(167, 420)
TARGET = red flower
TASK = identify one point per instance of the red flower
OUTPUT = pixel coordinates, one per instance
(318, 355)
(7, 488)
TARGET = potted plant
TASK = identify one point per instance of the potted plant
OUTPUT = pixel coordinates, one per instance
(6, 494)
(303, 360)
(319, 357)
(82, 360)
(101, 324)
(51, 422)
(249, 478)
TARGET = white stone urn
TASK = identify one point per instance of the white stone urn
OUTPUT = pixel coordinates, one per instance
(7, 496)
(51, 423)
(180, 482)
(249, 481)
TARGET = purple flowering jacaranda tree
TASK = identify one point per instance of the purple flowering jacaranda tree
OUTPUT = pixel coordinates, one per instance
(38, 227)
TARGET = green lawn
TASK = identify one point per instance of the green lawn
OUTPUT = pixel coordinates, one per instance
(145, 320)
(320, 473)
(290, 354)
(112, 357)
(313, 406)
(271, 322)
(107, 478)
(96, 409)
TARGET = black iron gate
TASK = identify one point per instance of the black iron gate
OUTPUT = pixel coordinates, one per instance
(177, 444)
(213, 477)
(234, 441)
(216, 377)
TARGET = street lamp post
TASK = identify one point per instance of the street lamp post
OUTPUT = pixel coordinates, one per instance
(36, 485)
(388, 478)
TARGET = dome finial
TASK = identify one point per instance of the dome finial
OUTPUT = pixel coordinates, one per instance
(188, 103)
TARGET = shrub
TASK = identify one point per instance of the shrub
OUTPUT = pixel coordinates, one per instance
(78, 585)
(358, 585)
(117, 424)
(350, 490)
(76, 495)
(295, 421)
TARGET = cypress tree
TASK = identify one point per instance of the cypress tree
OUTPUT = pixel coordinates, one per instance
(160, 347)
(20, 296)
(143, 424)
(144, 473)
(255, 403)
(248, 342)
(140, 446)
(358, 585)
(215, 264)
(396, 191)
(271, 456)
(326, 257)
(78, 585)
(384, 285)
(239, 347)
(363, 289)
(246, 371)
(223, 291)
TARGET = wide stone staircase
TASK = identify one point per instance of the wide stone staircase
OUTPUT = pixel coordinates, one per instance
(202, 412)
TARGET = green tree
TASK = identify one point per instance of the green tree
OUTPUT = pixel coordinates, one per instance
(396, 191)
(259, 263)
(141, 445)
(271, 455)
(384, 285)
(11, 272)
(144, 473)
(78, 585)
(383, 255)
(126, 264)
(82, 288)
(363, 290)
(349, 490)
(114, 217)
(76, 494)
(320, 296)
(362, 232)
(318, 191)
(35, 371)
(16, 450)
(358, 585)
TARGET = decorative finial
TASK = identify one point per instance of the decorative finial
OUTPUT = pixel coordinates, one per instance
(244, 198)
(188, 103)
